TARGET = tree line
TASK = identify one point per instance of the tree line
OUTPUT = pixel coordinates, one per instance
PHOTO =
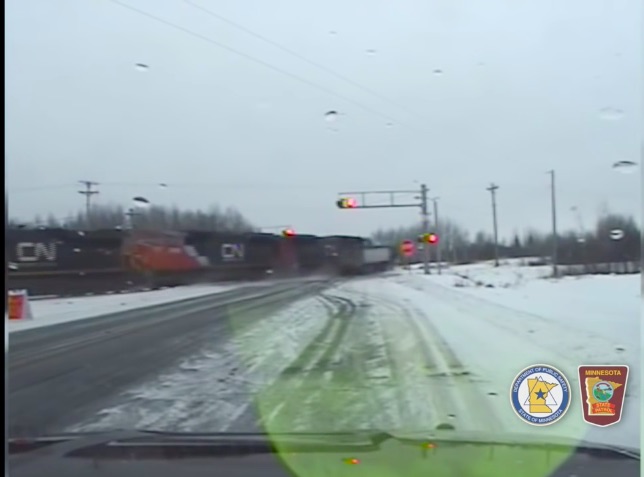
(109, 216)
(614, 238)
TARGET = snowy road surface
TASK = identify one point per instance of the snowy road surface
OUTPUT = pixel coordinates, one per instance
(59, 373)
(404, 352)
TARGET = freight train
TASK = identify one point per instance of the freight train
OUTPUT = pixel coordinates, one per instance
(70, 262)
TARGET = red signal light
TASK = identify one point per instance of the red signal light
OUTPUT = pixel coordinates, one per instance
(347, 203)
(428, 238)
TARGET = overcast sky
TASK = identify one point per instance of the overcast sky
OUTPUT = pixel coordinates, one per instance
(456, 94)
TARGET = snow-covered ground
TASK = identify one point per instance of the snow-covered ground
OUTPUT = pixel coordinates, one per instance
(60, 310)
(500, 320)
(405, 352)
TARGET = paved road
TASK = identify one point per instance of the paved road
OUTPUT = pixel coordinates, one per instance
(59, 374)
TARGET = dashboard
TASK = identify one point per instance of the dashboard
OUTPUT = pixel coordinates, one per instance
(139, 456)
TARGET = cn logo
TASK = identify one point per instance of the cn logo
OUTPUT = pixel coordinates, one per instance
(36, 252)
(232, 251)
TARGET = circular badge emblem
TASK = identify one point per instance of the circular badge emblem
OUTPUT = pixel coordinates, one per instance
(603, 391)
(540, 395)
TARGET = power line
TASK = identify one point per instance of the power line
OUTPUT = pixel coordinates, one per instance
(253, 59)
(301, 57)
(41, 188)
(187, 185)
(220, 185)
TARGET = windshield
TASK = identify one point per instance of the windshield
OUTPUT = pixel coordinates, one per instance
(277, 217)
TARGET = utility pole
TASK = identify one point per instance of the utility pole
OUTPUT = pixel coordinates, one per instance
(129, 218)
(439, 255)
(344, 203)
(555, 238)
(88, 193)
(425, 214)
(492, 189)
(581, 239)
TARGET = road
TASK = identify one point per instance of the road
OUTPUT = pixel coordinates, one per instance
(375, 352)
(322, 358)
(394, 352)
(62, 373)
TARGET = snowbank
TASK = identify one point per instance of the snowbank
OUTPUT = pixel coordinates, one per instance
(485, 274)
(62, 310)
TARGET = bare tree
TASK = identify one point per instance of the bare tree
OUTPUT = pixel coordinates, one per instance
(155, 218)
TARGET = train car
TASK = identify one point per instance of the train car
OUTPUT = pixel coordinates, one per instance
(309, 253)
(376, 258)
(231, 256)
(264, 253)
(65, 262)
(344, 253)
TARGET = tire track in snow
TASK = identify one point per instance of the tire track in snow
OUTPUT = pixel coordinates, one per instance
(209, 391)
(435, 388)
(365, 353)
(414, 398)
(356, 393)
(288, 404)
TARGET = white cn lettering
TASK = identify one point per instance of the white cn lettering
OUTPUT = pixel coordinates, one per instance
(36, 252)
(232, 251)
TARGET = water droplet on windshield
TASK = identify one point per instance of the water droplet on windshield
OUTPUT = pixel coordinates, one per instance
(625, 167)
(142, 67)
(611, 114)
(331, 116)
(141, 202)
(616, 234)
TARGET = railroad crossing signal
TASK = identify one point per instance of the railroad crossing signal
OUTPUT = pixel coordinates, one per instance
(407, 248)
(430, 238)
(287, 233)
(347, 203)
